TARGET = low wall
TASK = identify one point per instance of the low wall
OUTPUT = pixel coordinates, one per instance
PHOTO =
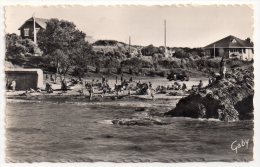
(25, 78)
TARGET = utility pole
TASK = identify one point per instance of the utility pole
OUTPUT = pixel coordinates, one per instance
(34, 30)
(129, 44)
(165, 47)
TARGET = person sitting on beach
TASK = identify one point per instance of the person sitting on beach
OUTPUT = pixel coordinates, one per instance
(184, 87)
(148, 91)
(48, 88)
(52, 79)
(177, 86)
(129, 92)
(150, 85)
(131, 79)
(32, 90)
(200, 86)
(38, 90)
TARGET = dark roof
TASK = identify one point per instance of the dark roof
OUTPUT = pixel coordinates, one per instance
(40, 21)
(230, 42)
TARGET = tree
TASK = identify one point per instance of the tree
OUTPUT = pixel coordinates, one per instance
(66, 46)
(17, 49)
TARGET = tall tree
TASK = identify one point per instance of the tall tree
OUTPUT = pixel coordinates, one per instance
(65, 45)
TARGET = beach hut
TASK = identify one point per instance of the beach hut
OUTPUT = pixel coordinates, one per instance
(25, 78)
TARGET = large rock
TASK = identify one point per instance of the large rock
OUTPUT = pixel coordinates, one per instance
(228, 99)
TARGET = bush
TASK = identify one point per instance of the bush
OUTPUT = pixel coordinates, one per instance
(161, 73)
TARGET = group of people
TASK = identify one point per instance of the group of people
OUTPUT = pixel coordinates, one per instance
(177, 86)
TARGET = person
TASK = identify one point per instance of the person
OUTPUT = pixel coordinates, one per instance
(63, 85)
(48, 88)
(122, 78)
(210, 81)
(38, 90)
(116, 79)
(129, 92)
(131, 79)
(13, 85)
(104, 90)
(174, 77)
(52, 78)
(200, 85)
(148, 91)
(150, 85)
(152, 93)
(91, 92)
(31, 90)
(184, 87)
(7, 85)
(223, 68)
(103, 79)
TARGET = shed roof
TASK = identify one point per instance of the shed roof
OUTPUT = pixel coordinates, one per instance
(230, 42)
(40, 21)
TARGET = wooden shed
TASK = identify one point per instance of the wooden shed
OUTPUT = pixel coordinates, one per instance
(25, 78)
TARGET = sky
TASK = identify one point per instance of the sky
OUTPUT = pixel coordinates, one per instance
(187, 26)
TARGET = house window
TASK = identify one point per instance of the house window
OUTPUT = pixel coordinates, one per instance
(26, 32)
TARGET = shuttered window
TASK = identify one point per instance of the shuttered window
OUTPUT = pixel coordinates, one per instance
(26, 32)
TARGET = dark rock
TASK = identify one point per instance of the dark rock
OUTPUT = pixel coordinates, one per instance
(228, 99)
(138, 121)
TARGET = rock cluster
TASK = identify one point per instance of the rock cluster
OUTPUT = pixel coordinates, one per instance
(138, 121)
(227, 99)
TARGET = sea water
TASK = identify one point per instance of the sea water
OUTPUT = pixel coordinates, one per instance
(49, 131)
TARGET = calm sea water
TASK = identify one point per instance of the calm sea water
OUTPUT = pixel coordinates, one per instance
(82, 132)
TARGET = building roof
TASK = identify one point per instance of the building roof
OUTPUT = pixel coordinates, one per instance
(230, 42)
(40, 21)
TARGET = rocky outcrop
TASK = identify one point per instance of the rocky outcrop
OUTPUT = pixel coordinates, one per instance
(138, 121)
(228, 99)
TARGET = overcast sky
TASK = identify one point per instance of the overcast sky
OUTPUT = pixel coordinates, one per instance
(193, 26)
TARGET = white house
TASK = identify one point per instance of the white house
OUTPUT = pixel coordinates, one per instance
(231, 47)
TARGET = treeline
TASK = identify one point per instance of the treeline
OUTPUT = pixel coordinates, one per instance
(62, 49)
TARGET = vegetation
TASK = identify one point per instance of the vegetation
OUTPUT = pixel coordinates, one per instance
(65, 51)
(65, 46)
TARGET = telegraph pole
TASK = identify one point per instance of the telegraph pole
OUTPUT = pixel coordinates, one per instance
(165, 47)
(34, 30)
(129, 42)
